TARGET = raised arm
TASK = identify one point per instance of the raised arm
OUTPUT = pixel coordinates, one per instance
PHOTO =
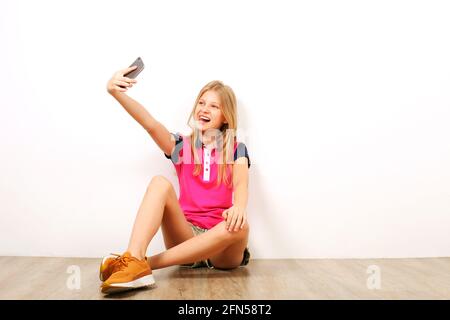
(117, 86)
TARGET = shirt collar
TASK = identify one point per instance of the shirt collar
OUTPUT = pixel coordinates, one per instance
(199, 144)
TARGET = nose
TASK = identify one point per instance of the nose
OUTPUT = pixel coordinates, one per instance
(203, 109)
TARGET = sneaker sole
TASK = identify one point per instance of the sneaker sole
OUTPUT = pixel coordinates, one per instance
(125, 286)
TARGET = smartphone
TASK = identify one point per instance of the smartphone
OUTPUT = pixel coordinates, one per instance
(134, 73)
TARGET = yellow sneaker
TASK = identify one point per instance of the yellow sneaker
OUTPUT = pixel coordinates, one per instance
(128, 273)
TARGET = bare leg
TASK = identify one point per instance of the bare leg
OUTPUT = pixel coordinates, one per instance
(232, 256)
(217, 242)
(159, 206)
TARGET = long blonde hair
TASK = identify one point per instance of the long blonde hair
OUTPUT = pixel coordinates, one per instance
(227, 136)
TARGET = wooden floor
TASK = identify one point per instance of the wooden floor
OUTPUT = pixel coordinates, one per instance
(48, 278)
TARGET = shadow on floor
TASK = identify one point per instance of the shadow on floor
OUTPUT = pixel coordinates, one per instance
(205, 273)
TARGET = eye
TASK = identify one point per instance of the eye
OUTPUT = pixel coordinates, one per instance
(216, 107)
(200, 102)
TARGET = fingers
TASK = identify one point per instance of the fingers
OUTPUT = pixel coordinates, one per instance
(129, 69)
(229, 215)
(233, 221)
(126, 79)
(122, 83)
(244, 220)
(225, 214)
(119, 82)
(238, 223)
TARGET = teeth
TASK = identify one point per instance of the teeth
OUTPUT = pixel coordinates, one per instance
(204, 118)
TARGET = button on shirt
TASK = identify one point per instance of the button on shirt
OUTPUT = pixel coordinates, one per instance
(206, 163)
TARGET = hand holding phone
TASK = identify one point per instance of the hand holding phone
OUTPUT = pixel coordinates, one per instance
(124, 79)
(140, 66)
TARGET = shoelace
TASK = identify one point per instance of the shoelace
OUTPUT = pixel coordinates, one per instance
(123, 262)
(120, 262)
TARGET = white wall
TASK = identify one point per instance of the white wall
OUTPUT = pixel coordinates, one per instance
(345, 108)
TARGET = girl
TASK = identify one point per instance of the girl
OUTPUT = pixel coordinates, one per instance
(207, 225)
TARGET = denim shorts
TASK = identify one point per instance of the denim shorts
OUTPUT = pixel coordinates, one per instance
(207, 263)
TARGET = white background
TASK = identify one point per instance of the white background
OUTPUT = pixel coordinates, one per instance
(344, 107)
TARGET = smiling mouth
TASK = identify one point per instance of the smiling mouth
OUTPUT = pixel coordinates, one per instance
(203, 119)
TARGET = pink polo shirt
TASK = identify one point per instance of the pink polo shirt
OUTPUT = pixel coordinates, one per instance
(200, 198)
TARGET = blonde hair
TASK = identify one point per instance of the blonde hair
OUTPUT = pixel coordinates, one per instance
(227, 138)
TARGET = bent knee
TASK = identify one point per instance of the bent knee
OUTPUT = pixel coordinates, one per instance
(159, 182)
(241, 233)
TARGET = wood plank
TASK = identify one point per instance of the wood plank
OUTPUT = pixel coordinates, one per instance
(420, 278)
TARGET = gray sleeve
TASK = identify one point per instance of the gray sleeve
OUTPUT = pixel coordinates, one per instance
(178, 146)
(241, 151)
